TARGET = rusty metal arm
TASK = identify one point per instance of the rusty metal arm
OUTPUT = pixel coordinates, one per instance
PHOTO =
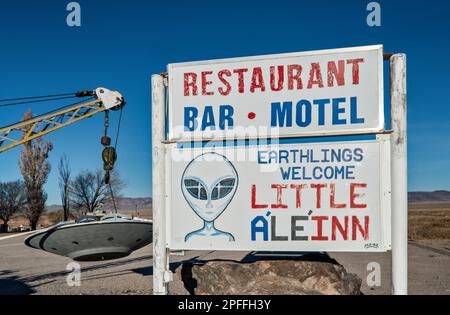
(19, 133)
(16, 134)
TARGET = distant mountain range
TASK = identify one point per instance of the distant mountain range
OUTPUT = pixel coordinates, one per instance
(429, 196)
(145, 203)
(124, 203)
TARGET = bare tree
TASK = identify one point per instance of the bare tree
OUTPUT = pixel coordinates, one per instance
(12, 200)
(64, 185)
(35, 169)
(89, 191)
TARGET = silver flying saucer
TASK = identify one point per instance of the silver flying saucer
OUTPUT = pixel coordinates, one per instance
(111, 237)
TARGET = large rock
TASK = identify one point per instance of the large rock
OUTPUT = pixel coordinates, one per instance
(280, 276)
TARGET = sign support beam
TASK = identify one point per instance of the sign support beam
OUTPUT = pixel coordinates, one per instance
(160, 262)
(399, 176)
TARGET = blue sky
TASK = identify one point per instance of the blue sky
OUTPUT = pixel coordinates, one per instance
(121, 43)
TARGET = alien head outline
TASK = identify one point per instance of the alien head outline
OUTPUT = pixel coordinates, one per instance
(208, 184)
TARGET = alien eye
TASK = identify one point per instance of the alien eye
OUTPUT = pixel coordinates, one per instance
(195, 189)
(223, 188)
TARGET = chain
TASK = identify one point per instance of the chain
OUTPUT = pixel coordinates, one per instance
(106, 122)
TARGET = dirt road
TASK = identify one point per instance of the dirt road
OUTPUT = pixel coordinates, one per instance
(27, 271)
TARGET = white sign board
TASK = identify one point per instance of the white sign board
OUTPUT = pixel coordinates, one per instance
(325, 92)
(332, 196)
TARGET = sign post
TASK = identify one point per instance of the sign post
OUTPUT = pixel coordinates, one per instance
(158, 186)
(283, 194)
(399, 176)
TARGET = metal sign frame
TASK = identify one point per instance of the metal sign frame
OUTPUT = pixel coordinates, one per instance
(399, 199)
(296, 134)
(383, 200)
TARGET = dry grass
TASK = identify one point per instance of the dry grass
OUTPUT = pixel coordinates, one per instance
(429, 221)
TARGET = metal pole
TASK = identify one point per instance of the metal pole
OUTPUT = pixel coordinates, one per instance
(399, 176)
(158, 186)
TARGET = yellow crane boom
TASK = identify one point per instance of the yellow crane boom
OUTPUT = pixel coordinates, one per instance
(19, 133)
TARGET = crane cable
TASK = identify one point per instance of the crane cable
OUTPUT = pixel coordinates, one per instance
(115, 147)
(36, 99)
(118, 128)
(112, 197)
(31, 97)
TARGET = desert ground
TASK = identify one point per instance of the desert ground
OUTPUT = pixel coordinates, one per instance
(429, 221)
(28, 271)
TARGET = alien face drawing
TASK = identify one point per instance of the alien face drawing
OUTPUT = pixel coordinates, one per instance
(209, 183)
